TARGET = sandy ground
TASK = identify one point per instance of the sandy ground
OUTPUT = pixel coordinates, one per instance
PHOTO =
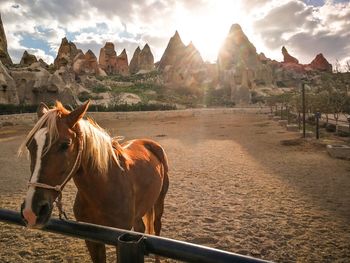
(233, 186)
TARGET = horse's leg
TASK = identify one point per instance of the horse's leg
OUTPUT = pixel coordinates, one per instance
(148, 220)
(159, 209)
(159, 205)
(97, 251)
(139, 226)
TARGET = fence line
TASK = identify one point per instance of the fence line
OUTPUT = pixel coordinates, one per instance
(161, 246)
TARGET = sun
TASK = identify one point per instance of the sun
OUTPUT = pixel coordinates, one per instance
(208, 27)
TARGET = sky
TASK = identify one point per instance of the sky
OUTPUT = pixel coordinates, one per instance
(305, 27)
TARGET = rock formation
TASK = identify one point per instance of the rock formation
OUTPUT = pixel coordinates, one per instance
(4, 55)
(173, 52)
(66, 53)
(87, 64)
(91, 62)
(35, 84)
(142, 60)
(237, 50)
(287, 58)
(321, 63)
(8, 91)
(122, 63)
(27, 59)
(239, 72)
(146, 61)
(134, 62)
(182, 66)
(191, 57)
(239, 65)
(108, 58)
(43, 63)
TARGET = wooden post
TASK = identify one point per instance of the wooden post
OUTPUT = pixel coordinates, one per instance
(317, 116)
(304, 107)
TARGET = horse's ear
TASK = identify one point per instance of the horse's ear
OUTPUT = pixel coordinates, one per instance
(77, 114)
(42, 109)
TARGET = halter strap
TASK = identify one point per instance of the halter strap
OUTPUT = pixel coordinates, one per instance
(59, 188)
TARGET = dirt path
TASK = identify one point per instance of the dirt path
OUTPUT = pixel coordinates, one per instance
(233, 187)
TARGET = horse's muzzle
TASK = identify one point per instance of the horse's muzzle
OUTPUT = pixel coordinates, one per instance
(39, 216)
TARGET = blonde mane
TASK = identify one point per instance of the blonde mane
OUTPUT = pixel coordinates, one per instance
(98, 149)
(48, 120)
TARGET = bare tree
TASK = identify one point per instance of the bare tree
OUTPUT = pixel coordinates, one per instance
(337, 66)
(347, 66)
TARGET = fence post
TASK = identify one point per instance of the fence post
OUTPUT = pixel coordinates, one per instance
(303, 105)
(130, 248)
(317, 116)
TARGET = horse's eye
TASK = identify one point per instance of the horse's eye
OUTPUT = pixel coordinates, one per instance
(64, 146)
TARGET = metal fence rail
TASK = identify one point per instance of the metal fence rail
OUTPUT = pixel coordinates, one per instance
(150, 244)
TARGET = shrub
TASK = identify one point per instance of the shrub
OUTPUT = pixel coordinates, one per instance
(13, 109)
(330, 127)
(133, 107)
(219, 97)
(99, 89)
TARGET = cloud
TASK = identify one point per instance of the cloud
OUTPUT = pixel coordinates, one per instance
(305, 27)
(307, 30)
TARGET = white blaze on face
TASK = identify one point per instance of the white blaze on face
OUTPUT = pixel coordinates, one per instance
(40, 138)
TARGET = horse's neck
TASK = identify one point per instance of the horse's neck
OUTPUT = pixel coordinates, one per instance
(89, 181)
(90, 172)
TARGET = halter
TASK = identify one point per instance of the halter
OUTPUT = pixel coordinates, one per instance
(59, 188)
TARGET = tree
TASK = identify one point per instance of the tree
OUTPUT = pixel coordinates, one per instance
(337, 66)
(347, 66)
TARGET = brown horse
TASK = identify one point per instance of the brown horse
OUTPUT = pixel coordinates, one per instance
(121, 186)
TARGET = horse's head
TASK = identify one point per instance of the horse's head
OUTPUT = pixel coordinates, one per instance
(54, 145)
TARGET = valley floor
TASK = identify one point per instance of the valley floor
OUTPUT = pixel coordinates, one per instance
(233, 186)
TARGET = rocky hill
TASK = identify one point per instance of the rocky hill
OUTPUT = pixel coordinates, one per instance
(180, 77)
(4, 55)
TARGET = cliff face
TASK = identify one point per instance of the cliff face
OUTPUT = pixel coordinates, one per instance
(4, 55)
(8, 88)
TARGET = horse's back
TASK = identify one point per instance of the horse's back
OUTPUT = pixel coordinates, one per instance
(143, 148)
(148, 166)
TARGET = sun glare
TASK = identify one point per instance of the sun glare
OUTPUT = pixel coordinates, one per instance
(208, 27)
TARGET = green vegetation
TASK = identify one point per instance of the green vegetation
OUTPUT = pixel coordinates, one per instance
(329, 97)
(83, 96)
(131, 78)
(13, 109)
(132, 107)
(219, 97)
(99, 89)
